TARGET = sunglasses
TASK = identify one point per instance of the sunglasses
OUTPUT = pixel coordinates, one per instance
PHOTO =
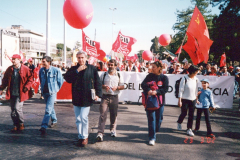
(110, 65)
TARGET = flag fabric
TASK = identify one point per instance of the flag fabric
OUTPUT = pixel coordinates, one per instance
(91, 60)
(192, 48)
(92, 47)
(179, 50)
(123, 44)
(223, 60)
(132, 58)
(198, 29)
(175, 59)
(22, 56)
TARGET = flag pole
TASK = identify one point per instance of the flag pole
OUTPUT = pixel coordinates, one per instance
(182, 45)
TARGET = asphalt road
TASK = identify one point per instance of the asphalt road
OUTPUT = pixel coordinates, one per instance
(131, 141)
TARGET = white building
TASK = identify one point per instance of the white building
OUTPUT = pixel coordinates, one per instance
(33, 44)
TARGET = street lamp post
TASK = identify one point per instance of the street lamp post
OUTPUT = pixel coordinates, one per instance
(113, 9)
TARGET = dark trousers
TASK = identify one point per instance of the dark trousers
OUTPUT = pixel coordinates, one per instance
(207, 119)
(111, 102)
(155, 118)
(187, 105)
(16, 110)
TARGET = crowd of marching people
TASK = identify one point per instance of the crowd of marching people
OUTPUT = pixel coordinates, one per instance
(88, 86)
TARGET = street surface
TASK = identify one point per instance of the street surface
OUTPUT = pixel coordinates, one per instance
(131, 141)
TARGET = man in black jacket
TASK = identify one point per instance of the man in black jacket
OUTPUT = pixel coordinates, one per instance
(83, 77)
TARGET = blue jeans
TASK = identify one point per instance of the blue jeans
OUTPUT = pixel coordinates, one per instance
(154, 122)
(236, 85)
(81, 115)
(49, 111)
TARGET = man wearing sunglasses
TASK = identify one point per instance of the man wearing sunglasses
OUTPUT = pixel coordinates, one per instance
(112, 82)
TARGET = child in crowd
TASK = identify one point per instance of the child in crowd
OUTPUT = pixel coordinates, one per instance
(204, 102)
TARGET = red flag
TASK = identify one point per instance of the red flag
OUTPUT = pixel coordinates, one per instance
(192, 48)
(91, 60)
(179, 50)
(123, 44)
(198, 28)
(22, 56)
(176, 59)
(223, 60)
(132, 58)
(92, 47)
(35, 85)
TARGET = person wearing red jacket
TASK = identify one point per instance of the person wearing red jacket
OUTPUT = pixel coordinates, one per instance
(18, 79)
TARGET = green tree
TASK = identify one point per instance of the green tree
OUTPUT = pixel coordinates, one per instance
(61, 45)
(183, 19)
(226, 32)
(139, 54)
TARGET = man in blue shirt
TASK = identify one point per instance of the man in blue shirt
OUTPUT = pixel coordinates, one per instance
(51, 81)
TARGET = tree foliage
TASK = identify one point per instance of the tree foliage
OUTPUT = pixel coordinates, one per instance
(226, 31)
(61, 45)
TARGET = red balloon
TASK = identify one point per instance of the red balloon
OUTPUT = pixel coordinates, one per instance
(164, 39)
(78, 13)
(147, 55)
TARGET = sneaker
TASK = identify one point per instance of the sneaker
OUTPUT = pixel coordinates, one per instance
(195, 130)
(190, 132)
(152, 142)
(43, 131)
(14, 129)
(113, 134)
(21, 127)
(211, 135)
(99, 137)
(53, 125)
(179, 126)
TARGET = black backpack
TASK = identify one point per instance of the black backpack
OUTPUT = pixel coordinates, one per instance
(177, 84)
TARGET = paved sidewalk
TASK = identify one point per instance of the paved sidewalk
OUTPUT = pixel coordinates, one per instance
(131, 141)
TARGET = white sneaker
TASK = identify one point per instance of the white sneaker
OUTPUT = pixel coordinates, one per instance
(99, 137)
(179, 126)
(190, 132)
(113, 134)
(152, 142)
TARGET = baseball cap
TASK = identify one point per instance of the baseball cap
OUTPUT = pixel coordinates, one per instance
(205, 80)
(231, 67)
(16, 56)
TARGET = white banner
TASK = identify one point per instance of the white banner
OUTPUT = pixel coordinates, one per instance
(222, 88)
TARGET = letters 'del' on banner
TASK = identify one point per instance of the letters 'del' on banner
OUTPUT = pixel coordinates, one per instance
(222, 88)
(123, 44)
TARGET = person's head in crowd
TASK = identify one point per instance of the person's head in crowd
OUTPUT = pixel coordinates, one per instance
(213, 69)
(46, 62)
(205, 83)
(30, 61)
(63, 65)
(100, 65)
(224, 69)
(81, 57)
(208, 67)
(237, 69)
(174, 64)
(150, 69)
(193, 70)
(26, 64)
(147, 64)
(164, 66)
(136, 63)
(142, 64)
(186, 65)
(112, 65)
(16, 60)
(189, 64)
(39, 65)
(230, 68)
(156, 67)
(201, 67)
(178, 67)
(119, 64)
(130, 63)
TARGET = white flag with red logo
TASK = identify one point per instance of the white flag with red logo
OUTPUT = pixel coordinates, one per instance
(92, 47)
(123, 44)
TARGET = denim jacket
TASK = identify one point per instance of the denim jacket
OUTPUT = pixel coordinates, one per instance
(54, 79)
